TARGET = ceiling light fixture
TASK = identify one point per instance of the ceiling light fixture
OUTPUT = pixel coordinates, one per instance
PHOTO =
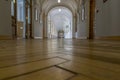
(59, 1)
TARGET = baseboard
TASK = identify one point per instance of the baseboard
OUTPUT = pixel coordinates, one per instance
(38, 38)
(109, 38)
(5, 37)
(82, 38)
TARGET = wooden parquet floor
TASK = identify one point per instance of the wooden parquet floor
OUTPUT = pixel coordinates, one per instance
(59, 59)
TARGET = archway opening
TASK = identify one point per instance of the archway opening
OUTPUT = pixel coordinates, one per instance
(59, 23)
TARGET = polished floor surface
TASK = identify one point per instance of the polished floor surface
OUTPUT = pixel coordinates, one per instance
(59, 59)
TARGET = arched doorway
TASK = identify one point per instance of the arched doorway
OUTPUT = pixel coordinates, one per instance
(59, 23)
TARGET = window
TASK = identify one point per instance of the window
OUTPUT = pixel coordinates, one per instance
(36, 14)
(12, 7)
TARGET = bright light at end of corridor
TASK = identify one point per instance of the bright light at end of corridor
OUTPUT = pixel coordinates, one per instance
(59, 10)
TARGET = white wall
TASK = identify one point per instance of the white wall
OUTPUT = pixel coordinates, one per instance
(108, 18)
(5, 18)
(83, 26)
(38, 28)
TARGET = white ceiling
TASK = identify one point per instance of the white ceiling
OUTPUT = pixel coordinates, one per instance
(46, 5)
(64, 11)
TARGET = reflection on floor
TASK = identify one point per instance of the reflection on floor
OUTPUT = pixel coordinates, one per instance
(59, 60)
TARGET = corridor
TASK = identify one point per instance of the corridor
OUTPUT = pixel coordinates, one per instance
(59, 40)
(59, 59)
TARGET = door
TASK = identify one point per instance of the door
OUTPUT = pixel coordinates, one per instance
(21, 11)
(14, 18)
(28, 14)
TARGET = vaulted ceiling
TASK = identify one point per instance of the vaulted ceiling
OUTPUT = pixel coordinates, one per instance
(46, 5)
(60, 19)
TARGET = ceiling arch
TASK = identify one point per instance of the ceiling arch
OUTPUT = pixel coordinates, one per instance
(60, 18)
(59, 6)
(64, 11)
(46, 5)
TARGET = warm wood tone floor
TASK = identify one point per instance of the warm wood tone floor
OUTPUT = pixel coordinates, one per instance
(59, 60)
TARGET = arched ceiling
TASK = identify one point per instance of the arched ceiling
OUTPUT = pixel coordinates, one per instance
(46, 5)
(60, 19)
(64, 11)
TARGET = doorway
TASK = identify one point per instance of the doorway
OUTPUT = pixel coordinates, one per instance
(20, 19)
(59, 23)
(21, 12)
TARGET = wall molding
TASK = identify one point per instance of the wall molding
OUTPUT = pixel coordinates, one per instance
(108, 38)
(38, 38)
(82, 38)
(5, 37)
